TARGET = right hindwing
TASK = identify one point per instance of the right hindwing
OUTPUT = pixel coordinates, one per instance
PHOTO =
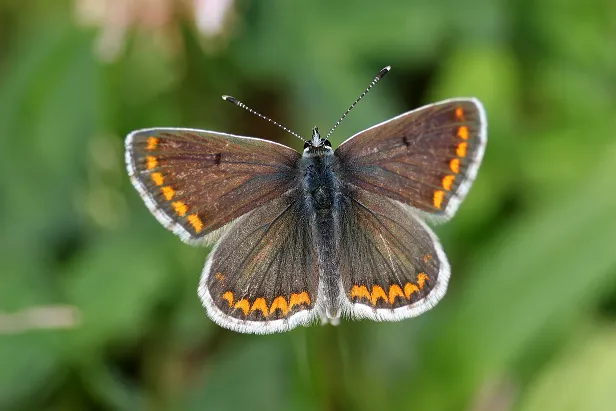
(391, 264)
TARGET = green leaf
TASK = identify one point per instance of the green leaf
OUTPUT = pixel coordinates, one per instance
(580, 378)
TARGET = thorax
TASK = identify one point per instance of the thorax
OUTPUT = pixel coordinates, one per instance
(319, 173)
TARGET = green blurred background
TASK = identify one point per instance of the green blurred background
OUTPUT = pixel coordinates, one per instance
(98, 303)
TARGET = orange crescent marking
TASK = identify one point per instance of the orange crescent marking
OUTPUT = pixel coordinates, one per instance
(438, 198)
(377, 292)
(229, 297)
(168, 192)
(395, 291)
(152, 143)
(196, 222)
(459, 114)
(180, 208)
(279, 303)
(158, 179)
(454, 165)
(152, 162)
(448, 181)
(243, 304)
(421, 279)
(298, 299)
(260, 304)
(461, 150)
(360, 291)
(409, 289)
(463, 133)
(427, 257)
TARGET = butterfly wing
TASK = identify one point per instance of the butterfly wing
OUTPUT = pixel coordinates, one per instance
(426, 158)
(394, 267)
(262, 276)
(195, 182)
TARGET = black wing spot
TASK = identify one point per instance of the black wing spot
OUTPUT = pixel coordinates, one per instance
(217, 158)
(406, 141)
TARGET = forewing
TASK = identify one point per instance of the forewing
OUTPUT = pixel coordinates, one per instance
(391, 264)
(262, 276)
(196, 181)
(426, 158)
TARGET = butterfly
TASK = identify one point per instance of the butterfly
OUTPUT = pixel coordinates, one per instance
(319, 235)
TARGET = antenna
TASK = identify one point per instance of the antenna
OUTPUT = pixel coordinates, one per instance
(245, 107)
(376, 79)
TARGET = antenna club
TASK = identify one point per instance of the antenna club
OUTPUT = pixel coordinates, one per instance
(230, 99)
(383, 71)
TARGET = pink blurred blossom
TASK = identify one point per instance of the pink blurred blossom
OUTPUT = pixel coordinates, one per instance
(159, 18)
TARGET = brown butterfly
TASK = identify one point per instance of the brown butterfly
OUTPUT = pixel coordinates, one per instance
(322, 234)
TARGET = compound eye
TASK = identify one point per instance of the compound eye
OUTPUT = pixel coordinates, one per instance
(326, 143)
(306, 145)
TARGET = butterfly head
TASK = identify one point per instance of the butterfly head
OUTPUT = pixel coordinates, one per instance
(316, 143)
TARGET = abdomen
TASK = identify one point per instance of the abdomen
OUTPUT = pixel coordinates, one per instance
(323, 198)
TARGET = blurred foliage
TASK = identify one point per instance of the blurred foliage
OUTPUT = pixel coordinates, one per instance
(529, 320)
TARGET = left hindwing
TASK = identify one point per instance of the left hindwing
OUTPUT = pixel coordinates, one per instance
(262, 276)
(426, 158)
(391, 264)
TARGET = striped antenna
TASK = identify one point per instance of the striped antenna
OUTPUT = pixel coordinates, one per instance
(245, 107)
(376, 80)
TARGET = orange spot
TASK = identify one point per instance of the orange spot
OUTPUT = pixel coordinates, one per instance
(220, 277)
(459, 114)
(448, 182)
(279, 303)
(180, 208)
(438, 198)
(243, 304)
(228, 296)
(395, 291)
(377, 292)
(152, 162)
(168, 192)
(461, 150)
(152, 143)
(360, 291)
(421, 279)
(158, 179)
(196, 222)
(298, 299)
(260, 304)
(409, 289)
(454, 165)
(427, 257)
(463, 133)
